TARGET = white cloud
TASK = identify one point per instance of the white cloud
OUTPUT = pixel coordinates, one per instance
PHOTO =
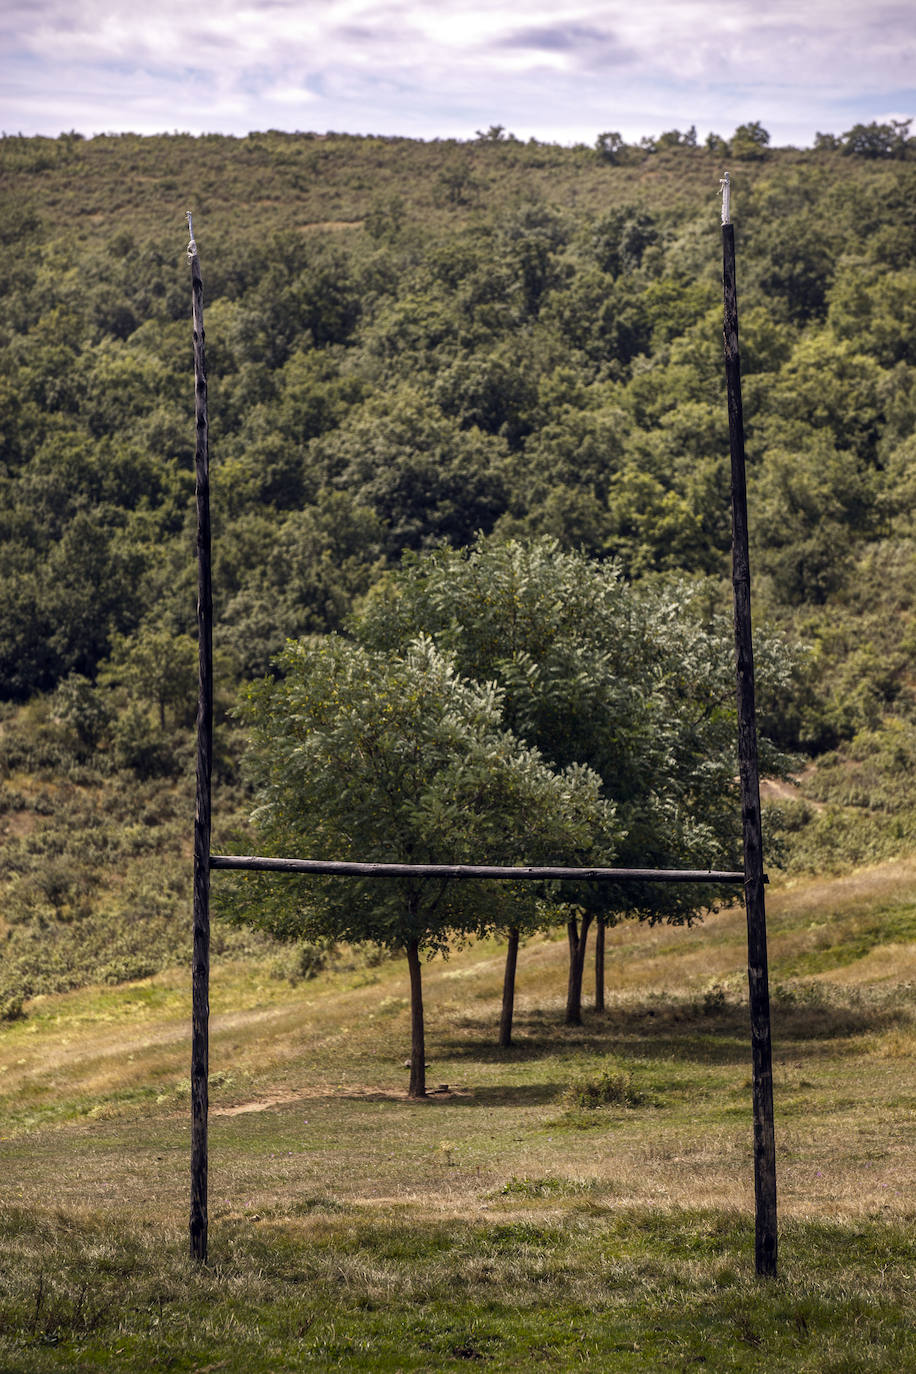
(445, 68)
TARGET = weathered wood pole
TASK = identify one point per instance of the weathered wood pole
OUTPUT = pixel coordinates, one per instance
(758, 986)
(200, 965)
(345, 868)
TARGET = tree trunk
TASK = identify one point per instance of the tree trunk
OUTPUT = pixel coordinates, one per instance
(599, 965)
(417, 1037)
(505, 1020)
(578, 940)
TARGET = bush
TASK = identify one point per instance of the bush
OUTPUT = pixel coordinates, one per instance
(11, 1008)
(314, 957)
(78, 703)
(138, 746)
(613, 1088)
(129, 969)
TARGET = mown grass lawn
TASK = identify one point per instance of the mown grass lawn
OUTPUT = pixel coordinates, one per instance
(501, 1224)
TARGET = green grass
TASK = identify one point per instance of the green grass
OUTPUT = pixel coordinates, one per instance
(611, 1288)
(584, 1198)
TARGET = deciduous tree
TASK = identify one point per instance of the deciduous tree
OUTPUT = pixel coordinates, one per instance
(635, 683)
(394, 757)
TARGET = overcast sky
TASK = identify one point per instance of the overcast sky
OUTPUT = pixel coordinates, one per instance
(558, 73)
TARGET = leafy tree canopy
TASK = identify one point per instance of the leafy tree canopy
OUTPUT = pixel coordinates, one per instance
(394, 757)
(635, 683)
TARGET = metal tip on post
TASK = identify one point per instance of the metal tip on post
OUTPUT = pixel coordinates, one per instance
(725, 192)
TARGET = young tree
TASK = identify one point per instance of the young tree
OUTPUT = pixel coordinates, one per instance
(750, 140)
(609, 146)
(393, 757)
(155, 667)
(637, 683)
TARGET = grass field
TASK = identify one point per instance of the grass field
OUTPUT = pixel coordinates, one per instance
(501, 1223)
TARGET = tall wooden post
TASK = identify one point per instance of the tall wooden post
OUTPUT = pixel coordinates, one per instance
(758, 984)
(200, 966)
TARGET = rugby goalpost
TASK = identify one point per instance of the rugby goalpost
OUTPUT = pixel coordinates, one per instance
(752, 877)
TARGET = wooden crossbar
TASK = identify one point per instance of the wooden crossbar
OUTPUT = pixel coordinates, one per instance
(343, 869)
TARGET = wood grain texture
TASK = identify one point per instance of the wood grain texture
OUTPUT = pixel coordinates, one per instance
(758, 982)
(347, 869)
(200, 966)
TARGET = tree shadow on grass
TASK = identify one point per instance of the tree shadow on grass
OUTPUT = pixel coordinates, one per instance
(493, 1095)
(509, 1095)
(713, 1031)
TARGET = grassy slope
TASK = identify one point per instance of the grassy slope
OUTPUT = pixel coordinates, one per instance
(352, 1229)
(105, 185)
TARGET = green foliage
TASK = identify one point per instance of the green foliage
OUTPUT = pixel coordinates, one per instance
(137, 745)
(749, 141)
(85, 709)
(878, 140)
(834, 839)
(673, 138)
(621, 238)
(810, 502)
(313, 336)
(158, 669)
(609, 146)
(636, 683)
(426, 477)
(293, 575)
(386, 757)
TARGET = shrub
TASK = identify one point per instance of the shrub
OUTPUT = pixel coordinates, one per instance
(137, 745)
(314, 957)
(81, 706)
(612, 1088)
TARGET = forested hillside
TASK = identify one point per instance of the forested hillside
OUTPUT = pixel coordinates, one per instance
(408, 343)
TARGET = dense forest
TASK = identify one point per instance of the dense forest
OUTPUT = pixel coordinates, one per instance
(409, 343)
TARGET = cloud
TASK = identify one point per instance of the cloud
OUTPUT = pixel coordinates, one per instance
(446, 68)
(572, 38)
(571, 46)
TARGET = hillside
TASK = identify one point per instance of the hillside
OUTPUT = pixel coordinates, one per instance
(409, 342)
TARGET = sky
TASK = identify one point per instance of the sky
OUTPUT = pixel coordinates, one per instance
(446, 68)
